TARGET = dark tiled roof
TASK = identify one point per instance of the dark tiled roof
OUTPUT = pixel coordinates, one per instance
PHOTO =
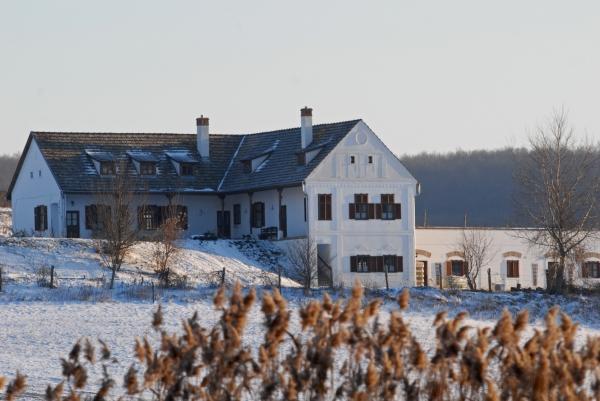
(68, 155)
(281, 167)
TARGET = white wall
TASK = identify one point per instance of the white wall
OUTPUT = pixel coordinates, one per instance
(36, 186)
(202, 215)
(386, 175)
(441, 241)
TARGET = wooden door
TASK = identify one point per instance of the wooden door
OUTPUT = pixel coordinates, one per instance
(72, 224)
(224, 223)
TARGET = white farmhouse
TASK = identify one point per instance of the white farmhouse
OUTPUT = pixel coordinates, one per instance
(337, 183)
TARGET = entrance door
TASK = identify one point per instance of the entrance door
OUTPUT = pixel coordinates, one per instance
(224, 223)
(72, 224)
(283, 220)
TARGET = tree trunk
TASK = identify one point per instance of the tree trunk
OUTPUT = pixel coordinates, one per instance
(489, 271)
(112, 277)
(387, 284)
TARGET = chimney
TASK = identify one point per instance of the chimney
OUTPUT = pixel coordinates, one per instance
(202, 136)
(306, 130)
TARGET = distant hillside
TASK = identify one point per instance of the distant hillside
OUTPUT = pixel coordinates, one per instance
(478, 183)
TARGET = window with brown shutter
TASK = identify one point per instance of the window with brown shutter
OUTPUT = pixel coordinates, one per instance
(512, 268)
(397, 211)
(591, 269)
(361, 207)
(399, 263)
(457, 268)
(387, 207)
(351, 211)
(362, 263)
(324, 206)
(371, 211)
(237, 214)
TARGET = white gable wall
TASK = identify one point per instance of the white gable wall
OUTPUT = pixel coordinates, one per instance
(36, 186)
(336, 175)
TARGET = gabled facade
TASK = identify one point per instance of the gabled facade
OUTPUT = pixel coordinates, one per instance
(337, 183)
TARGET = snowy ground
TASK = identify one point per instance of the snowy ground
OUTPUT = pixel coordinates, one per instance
(34, 335)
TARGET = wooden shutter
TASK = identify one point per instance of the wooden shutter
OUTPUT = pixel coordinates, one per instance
(91, 216)
(44, 218)
(372, 263)
(585, 270)
(397, 211)
(399, 264)
(351, 211)
(36, 218)
(371, 211)
(262, 214)
(516, 268)
(353, 264)
(465, 268)
(140, 211)
(378, 211)
(449, 268)
(380, 267)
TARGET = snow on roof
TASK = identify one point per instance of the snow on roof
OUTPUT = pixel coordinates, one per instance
(182, 156)
(142, 156)
(100, 156)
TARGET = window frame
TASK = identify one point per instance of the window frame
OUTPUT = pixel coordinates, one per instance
(147, 168)
(324, 207)
(455, 264)
(361, 206)
(258, 215)
(594, 272)
(108, 168)
(40, 218)
(512, 266)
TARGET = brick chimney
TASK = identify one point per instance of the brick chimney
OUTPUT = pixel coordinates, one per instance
(202, 136)
(306, 129)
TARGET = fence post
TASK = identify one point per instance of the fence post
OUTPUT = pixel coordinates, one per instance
(278, 279)
(223, 277)
(153, 292)
(489, 279)
(52, 276)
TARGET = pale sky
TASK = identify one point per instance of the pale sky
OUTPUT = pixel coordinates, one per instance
(425, 75)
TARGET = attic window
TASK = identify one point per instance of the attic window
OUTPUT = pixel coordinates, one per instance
(301, 159)
(370, 159)
(247, 166)
(352, 160)
(186, 169)
(147, 168)
(107, 168)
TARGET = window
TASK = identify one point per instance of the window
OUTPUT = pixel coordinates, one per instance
(40, 216)
(39, 173)
(390, 263)
(456, 267)
(258, 215)
(186, 169)
(324, 206)
(107, 168)
(359, 210)
(247, 165)
(534, 274)
(237, 214)
(352, 159)
(96, 216)
(387, 207)
(591, 269)
(301, 159)
(305, 208)
(370, 159)
(512, 268)
(147, 168)
(148, 217)
(376, 264)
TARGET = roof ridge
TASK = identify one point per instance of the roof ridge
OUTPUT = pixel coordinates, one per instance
(186, 133)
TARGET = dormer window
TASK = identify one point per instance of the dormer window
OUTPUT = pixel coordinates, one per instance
(256, 163)
(186, 169)
(107, 168)
(147, 168)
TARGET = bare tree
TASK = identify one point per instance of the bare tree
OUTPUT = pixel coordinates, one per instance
(558, 192)
(302, 255)
(165, 245)
(115, 226)
(476, 246)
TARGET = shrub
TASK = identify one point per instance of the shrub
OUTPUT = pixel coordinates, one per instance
(343, 351)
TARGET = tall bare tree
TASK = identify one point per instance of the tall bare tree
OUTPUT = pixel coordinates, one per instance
(476, 246)
(558, 193)
(116, 226)
(302, 255)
